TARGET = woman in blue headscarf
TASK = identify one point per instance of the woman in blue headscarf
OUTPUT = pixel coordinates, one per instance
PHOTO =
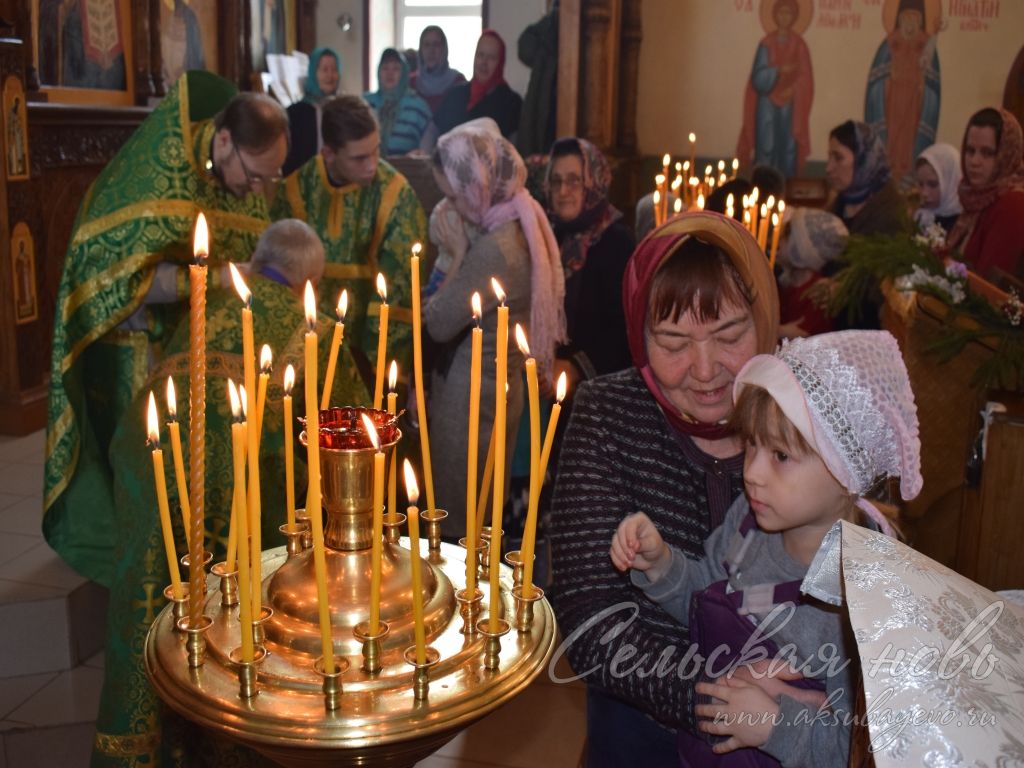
(402, 115)
(322, 81)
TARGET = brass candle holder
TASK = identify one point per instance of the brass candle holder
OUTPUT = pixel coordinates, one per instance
(371, 645)
(180, 609)
(524, 606)
(515, 560)
(485, 550)
(259, 625)
(431, 519)
(421, 674)
(301, 518)
(332, 681)
(195, 643)
(477, 550)
(207, 559)
(492, 645)
(469, 609)
(246, 671)
(228, 584)
(393, 531)
(294, 536)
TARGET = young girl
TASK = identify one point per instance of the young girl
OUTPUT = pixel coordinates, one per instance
(825, 419)
(937, 172)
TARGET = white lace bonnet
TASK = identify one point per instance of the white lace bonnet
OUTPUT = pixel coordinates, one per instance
(849, 396)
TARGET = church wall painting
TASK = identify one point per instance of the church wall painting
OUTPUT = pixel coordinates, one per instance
(23, 275)
(188, 37)
(15, 127)
(83, 50)
(904, 84)
(779, 92)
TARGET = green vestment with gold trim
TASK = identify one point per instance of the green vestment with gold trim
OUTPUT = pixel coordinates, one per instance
(139, 211)
(365, 230)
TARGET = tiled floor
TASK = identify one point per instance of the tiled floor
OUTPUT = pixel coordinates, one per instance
(52, 713)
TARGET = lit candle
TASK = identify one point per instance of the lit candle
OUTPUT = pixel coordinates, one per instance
(776, 231)
(782, 209)
(770, 202)
(378, 523)
(693, 150)
(238, 439)
(533, 498)
(722, 179)
(700, 201)
(392, 474)
(332, 360)
(677, 206)
(762, 228)
(721, 166)
(500, 399)
(313, 492)
(412, 491)
(476, 358)
(656, 200)
(417, 359)
(735, 166)
(686, 176)
(160, 482)
(746, 219)
(197, 419)
(382, 343)
(179, 464)
(253, 441)
(289, 458)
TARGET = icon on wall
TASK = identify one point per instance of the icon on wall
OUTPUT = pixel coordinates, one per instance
(15, 130)
(23, 275)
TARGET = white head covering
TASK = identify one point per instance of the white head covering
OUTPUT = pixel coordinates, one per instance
(945, 161)
(814, 238)
(849, 396)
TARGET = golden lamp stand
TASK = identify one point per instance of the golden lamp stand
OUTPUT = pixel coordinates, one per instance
(379, 708)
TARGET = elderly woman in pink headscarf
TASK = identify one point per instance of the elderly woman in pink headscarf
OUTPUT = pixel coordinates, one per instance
(488, 226)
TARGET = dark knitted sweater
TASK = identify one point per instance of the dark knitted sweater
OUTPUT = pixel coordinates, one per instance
(620, 456)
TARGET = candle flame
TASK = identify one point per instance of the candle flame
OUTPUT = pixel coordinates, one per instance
(201, 240)
(721, 165)
(754, 195)
(342, 308)
(679, 166)
(412, 489)
(677, 206)
(521, 340)
(782, 207)
(659, 179)
(657, 197)
(711, 183)
(172, 401)
(666, 159)
(393, 376)
(775, 219)
(498, 291)
(371, 431)
(764, 210)
(309, 300)
(266, 358)
(382, 288)
(770, 202)
(417, 248)
(729, 200)
(152, 428)
(289, 379)
(700, 201)
(746, 217)
(694, 181)
(476, 305)
(560, 387)
(722, 179)
(693, 137)
(243, 290)
(735, 164)
(730, 212)
(244, 397)
(686, 166)
(677, 182)
(708, 169)
(746, 201)
(236, 402)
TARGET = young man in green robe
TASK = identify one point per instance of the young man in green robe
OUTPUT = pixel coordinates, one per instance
(125, 282)
(368, 217)
(131, 728)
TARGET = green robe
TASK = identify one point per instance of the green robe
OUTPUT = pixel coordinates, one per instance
(130, 725)
(139, 211)
(365, 230)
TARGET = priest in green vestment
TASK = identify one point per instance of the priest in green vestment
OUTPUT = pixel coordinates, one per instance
(204, 148)
(368, 217)
(131, 729)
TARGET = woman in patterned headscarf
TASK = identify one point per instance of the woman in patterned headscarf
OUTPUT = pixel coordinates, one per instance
(401, 114)
(990, 232)
(483, 177)
(858, 173)
(595, 246)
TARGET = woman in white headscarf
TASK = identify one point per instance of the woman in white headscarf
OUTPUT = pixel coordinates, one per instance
(938, 175)
(508, 238)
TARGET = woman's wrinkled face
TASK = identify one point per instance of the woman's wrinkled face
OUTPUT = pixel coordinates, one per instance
(390, 74)
(839, 168)
(327, 76)
(928, 188)
(980, 150)
(695, 362)
(566, 183)
(488, 56)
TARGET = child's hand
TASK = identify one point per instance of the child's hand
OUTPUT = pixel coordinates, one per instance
(773, 678)
(746, 714)
(637, 544)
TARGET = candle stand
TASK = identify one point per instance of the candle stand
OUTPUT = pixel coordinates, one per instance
(379, 713)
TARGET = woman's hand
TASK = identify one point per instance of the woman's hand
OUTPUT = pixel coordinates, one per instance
(743, 712)
(637, 544)
(774, 678)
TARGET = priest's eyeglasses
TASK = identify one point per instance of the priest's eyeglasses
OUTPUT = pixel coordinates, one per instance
(254, 180)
